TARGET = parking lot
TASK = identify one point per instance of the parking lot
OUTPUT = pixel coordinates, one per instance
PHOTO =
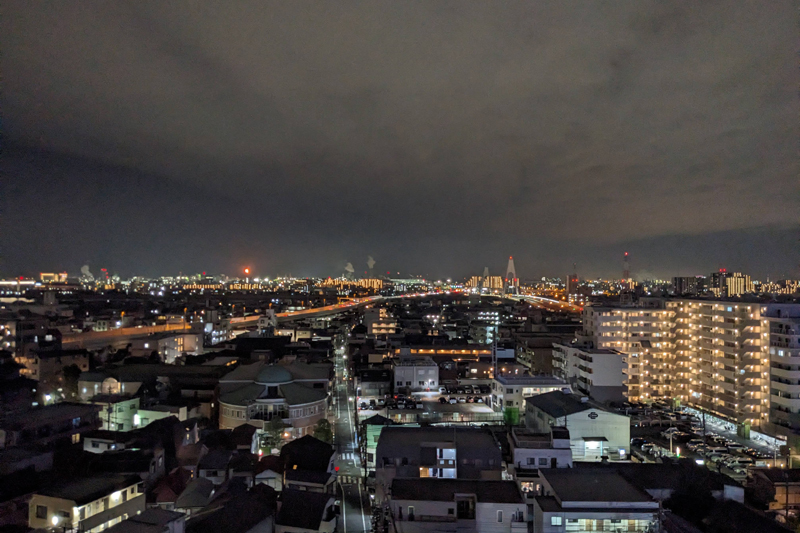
(713, 445)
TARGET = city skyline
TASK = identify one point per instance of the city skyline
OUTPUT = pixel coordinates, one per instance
(438, 139)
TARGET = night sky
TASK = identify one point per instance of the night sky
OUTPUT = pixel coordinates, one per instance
(438, 137)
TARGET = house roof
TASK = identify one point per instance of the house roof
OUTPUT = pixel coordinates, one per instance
(299, 394)
(303, 509)
(152, 520)
(377, 420)
(197, 494)
(315, 477)
(88, 489)
(587, 485)
(444, 490)
(215, 460)
(308, 453)
(558, 404)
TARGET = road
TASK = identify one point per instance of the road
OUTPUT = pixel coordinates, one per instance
(355, 513)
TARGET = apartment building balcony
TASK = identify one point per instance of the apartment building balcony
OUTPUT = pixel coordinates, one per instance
(750, 360)
(784, 417)
(750, 374)
(749, 387)
(792, 388)
(631, 381)
(746, 402)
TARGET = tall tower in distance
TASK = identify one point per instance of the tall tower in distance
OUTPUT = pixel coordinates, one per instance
(626, 268)
(512, 281)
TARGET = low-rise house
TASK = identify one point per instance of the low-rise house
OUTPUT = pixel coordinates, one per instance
(88, 504)
(118, 412)
(576, 500)
(509, 392)
(305, 512)
(148, 464)
(415, 374)
(51, 425)
(308, 465)
(532, 451)
(196, 496)
(370, 433)
(594, 431)
(214, 466)
(440, 452)
(373, 383)
(432, 505)
(252, 511)
(780, 487)
(152, 520)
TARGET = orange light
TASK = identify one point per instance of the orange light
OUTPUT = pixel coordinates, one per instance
(247, 271)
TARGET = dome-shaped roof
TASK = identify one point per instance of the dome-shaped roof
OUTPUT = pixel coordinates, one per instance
(273, 375)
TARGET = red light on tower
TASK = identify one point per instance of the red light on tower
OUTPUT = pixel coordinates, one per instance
(336, 468)
(247, 271)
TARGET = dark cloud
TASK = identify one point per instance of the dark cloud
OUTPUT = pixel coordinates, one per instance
(436, 136)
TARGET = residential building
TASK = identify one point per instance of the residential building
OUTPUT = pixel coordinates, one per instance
(415, 373)
(378, 322)
(169, 346)
(254, 394)
(118, 412)
(152, 520)
(783, 322)
(531, 450)
(300, 511)
(440, 452)
(51, 425)
(711, 355)
(89, 504)
(47, 366)
(434, 505)
(308, 465)
(595, 372)
(594, 432)
(574, 500)
(214, 466)
(509, 392)
(371, 429)
(782, 485)
(644, 335)
(373, 383)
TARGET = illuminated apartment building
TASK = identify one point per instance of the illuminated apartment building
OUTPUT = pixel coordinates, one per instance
(721, 359)
(736, 360)
(646, 338)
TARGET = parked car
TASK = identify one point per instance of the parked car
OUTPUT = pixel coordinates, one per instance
(419, 405)
(478, 400)
(461, 399)
(442, 400)
(453, 400)
(648, 447)
(470, 399)
(735, 446)
(694, 443)
(362, 405)
(637, 441)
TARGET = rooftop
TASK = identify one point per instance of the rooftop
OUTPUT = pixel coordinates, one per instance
(577, 485)
(88, 489)
(303, 509)
(531, 380)
(48, 414)
(558, 404)
(445, 490)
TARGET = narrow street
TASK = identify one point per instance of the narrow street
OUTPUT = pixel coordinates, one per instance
(354, 516)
